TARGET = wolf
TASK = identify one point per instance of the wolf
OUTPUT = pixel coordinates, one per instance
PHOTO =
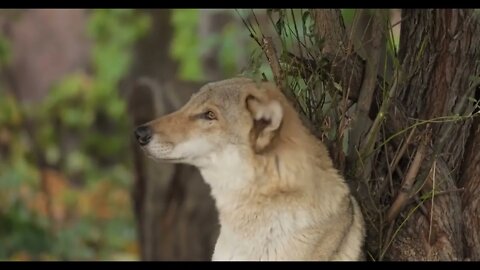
(275, 188)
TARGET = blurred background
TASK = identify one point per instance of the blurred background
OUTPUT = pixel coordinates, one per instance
(73, 84)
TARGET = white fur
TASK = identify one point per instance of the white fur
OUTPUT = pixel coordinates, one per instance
(272, 111)
(271, 241)
(158, 149)
(190, 151)
(227, 173)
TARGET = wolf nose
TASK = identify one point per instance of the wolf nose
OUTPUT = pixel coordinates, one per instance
(143, 135)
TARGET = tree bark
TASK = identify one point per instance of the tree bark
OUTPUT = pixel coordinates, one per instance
(439, 52)
(347, 67)
(439, 55)
(470, 181)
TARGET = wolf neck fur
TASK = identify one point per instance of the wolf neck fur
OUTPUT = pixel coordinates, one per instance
(237, 182)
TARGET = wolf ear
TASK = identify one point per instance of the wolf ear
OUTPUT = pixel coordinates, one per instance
(267, 119)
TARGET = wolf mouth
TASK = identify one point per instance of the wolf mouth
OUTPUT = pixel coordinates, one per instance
(170, 159)
(161, 158)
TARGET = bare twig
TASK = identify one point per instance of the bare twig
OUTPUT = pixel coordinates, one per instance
(459, 109)
(419, 202)
(279, 77)
(361, 120)
(386, 243)
(367, 146)
(434, 168)
(410, 213)
(439, 193)
(346, 65)
(398, 156)
(372, 134)
(271, 54)
(389, 168)
(404, 192)
(373, 60)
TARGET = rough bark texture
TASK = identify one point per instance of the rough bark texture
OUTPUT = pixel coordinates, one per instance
(471, 200)
(176, 217)
(346, 65)
(439, 52)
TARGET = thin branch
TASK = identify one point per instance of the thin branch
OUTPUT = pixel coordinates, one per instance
(361, 120)
(366, 148)
(386, 244)
(434, 168)
(346, 65)
(402, 150)
(444, 192)
(370, 79)
(271, 54)
(412, 211)
(249, 28)
(404, 193)
(280, 79)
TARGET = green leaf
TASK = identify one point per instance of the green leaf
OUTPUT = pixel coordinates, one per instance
(5, 51)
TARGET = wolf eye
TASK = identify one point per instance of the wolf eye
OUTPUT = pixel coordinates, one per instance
(209, 115)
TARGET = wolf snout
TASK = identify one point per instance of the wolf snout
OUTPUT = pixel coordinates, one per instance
(143, 134)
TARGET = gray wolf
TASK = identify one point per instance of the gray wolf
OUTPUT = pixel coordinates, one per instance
(276, 190)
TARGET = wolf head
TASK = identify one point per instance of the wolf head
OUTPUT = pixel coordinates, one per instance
(238, 112)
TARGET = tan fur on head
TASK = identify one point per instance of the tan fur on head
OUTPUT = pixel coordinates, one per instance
(277, 193)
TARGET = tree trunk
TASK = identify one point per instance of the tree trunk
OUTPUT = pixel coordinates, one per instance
(414, 206)
(176, 217)
(439, 52)
(470, 180)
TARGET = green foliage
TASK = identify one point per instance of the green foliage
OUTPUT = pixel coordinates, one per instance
(188, 46)
(81, 128)
(10, 111)
(229, 48)
(185, 46)
(24, 231)
(4, 51)
(348, 14)
(114, 31)
(310, 84)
